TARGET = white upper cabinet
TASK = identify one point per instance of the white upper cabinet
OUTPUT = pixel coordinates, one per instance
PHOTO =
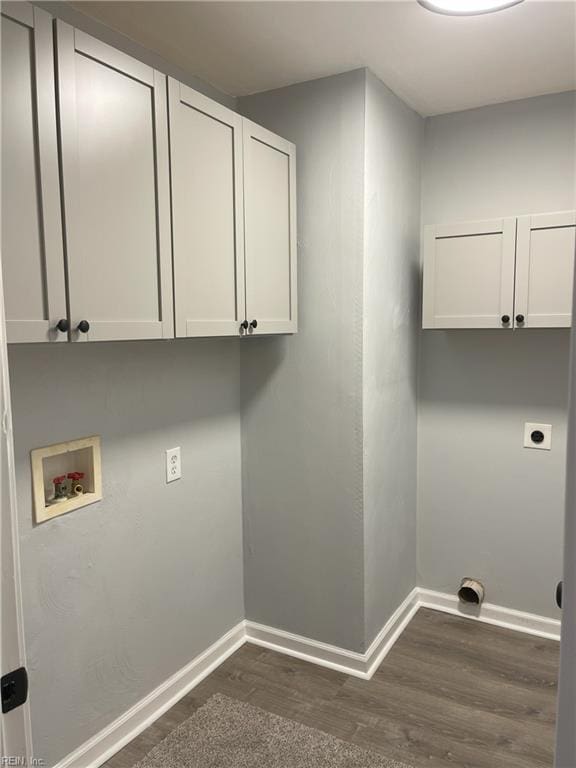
(114, 144)
(114, 227)
(32, 250)
(469, 275)
(207, 214)
(270, 231)
(233, 219)
(505, 273)
(544, 270)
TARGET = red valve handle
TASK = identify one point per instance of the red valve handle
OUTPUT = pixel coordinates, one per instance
(75, 475)
(59, 479)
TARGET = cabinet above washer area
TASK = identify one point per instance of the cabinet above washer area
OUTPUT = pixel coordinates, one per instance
(134, 207)
(509, 273)
(233, 217)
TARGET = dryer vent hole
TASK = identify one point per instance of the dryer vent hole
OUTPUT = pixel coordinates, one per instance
(471, 592)
(468, 595)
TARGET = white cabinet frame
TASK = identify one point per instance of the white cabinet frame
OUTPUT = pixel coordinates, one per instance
(43, 93)
(266, 325)
(527, 226)
(507, 229)
(187, 255)
(71, 41)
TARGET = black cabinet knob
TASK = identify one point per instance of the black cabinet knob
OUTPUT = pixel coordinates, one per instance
(63, 325)
(520, 319)
(505, 319)
(254, 324)
(244, 324)
(83, 326)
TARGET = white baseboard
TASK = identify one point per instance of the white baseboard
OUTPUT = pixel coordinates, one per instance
(365, 664)
(322, 654)
(111, 739)
(391, 631)
(530, 623)
(349, 662)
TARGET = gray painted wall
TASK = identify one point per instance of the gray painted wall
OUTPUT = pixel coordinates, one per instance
(329, 416)
(120, 595)
(488, 507)
(302, 396)
(394, 135)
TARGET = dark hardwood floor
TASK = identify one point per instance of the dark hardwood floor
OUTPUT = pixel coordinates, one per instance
(452, 692)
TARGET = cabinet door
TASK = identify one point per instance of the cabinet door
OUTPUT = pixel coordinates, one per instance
(270, 231)
(544, 270)
(116, 191)
(469, 275)
(32, 248)
(207, 214)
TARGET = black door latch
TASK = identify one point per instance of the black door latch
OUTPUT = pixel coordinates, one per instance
(559, 594)
(14, 687)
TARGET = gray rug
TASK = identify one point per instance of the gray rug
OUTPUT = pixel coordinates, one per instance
(226, 733)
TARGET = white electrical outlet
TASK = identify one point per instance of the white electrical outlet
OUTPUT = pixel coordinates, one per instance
(173, 465)
(538, 436)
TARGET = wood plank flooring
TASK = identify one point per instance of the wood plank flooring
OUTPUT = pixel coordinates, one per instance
(452, 692)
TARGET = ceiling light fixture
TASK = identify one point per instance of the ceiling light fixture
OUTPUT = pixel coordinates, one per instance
(467, 7)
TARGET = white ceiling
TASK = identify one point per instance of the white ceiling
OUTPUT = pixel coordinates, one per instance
(435, 63)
